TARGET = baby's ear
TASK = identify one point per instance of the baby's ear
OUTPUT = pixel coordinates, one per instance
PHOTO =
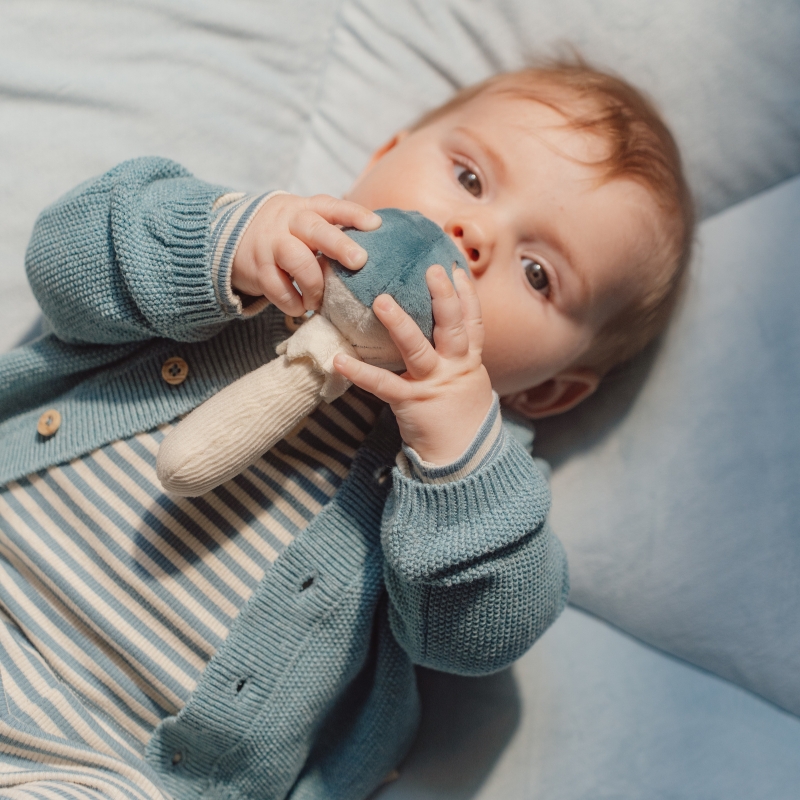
(555, 396)
(386, 147)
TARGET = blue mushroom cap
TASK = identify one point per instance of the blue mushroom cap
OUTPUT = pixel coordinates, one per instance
(399, 254)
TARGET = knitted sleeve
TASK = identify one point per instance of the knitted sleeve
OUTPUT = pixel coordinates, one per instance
(127, 256)
(474, 573)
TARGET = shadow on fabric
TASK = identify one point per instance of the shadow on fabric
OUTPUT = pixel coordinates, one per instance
(563, 436)
(466, 725)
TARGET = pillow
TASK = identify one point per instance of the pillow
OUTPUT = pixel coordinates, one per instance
(679, 503)
(224, 88)
(591, 714)
(727, 77)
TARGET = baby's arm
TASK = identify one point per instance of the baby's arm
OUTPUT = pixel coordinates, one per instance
(143, 251)
(123, 257)
(473, 571)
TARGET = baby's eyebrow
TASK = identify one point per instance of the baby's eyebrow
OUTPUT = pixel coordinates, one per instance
(498, 163)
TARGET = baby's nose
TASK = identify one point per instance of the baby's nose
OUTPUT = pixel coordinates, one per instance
(472, 253)
(471, 242)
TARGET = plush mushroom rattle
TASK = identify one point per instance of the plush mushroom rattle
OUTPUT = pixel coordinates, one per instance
(235, 427)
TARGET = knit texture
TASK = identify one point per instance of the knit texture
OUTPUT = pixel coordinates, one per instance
(461, 576)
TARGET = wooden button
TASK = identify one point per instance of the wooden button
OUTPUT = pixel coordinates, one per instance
(293, 323)
(49, 423)
(174, 371)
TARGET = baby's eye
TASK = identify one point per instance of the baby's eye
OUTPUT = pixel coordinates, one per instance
(536, 275)
(468, 179)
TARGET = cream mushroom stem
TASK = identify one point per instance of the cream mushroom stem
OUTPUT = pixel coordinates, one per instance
(233, 429)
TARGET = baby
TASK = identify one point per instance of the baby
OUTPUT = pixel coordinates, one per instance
(259, 641)
(574, 217)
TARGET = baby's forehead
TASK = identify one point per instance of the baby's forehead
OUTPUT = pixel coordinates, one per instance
(555, 116)
(563, 102)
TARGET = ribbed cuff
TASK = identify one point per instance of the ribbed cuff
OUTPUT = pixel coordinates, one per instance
(485, 447)
(428, 529)
(233, 214)
(159, 225)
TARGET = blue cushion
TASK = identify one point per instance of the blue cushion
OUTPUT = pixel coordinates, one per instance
(591, 714)
(678, 497)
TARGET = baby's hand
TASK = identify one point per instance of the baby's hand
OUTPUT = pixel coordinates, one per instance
(443, 398)
(281, 243)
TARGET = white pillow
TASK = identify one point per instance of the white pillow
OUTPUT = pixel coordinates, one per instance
(297, 94)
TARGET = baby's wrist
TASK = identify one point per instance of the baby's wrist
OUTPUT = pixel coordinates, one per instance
(446, 463)
(233, 214)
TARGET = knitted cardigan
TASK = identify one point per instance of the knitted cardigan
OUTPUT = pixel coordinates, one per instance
(459, 576)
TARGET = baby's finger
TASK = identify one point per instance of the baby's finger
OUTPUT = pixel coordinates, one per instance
(383, 384)
(294, 257)
(343, 212)
(449, 331)
(470, 308)
(318, 234)
(418, 355)
(277, 287)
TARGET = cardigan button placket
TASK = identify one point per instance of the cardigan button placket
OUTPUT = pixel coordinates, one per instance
(49, 423)
(174, 371)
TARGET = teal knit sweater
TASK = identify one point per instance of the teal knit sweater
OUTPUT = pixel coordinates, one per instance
(460, 576)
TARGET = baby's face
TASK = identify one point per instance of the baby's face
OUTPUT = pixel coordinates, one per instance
(553, 252)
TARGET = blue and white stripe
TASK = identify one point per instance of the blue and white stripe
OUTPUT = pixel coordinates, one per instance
(114, 596)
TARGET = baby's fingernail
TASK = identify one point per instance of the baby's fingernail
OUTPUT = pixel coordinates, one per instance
(375, 220)
(356, 257)
(383, 301)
